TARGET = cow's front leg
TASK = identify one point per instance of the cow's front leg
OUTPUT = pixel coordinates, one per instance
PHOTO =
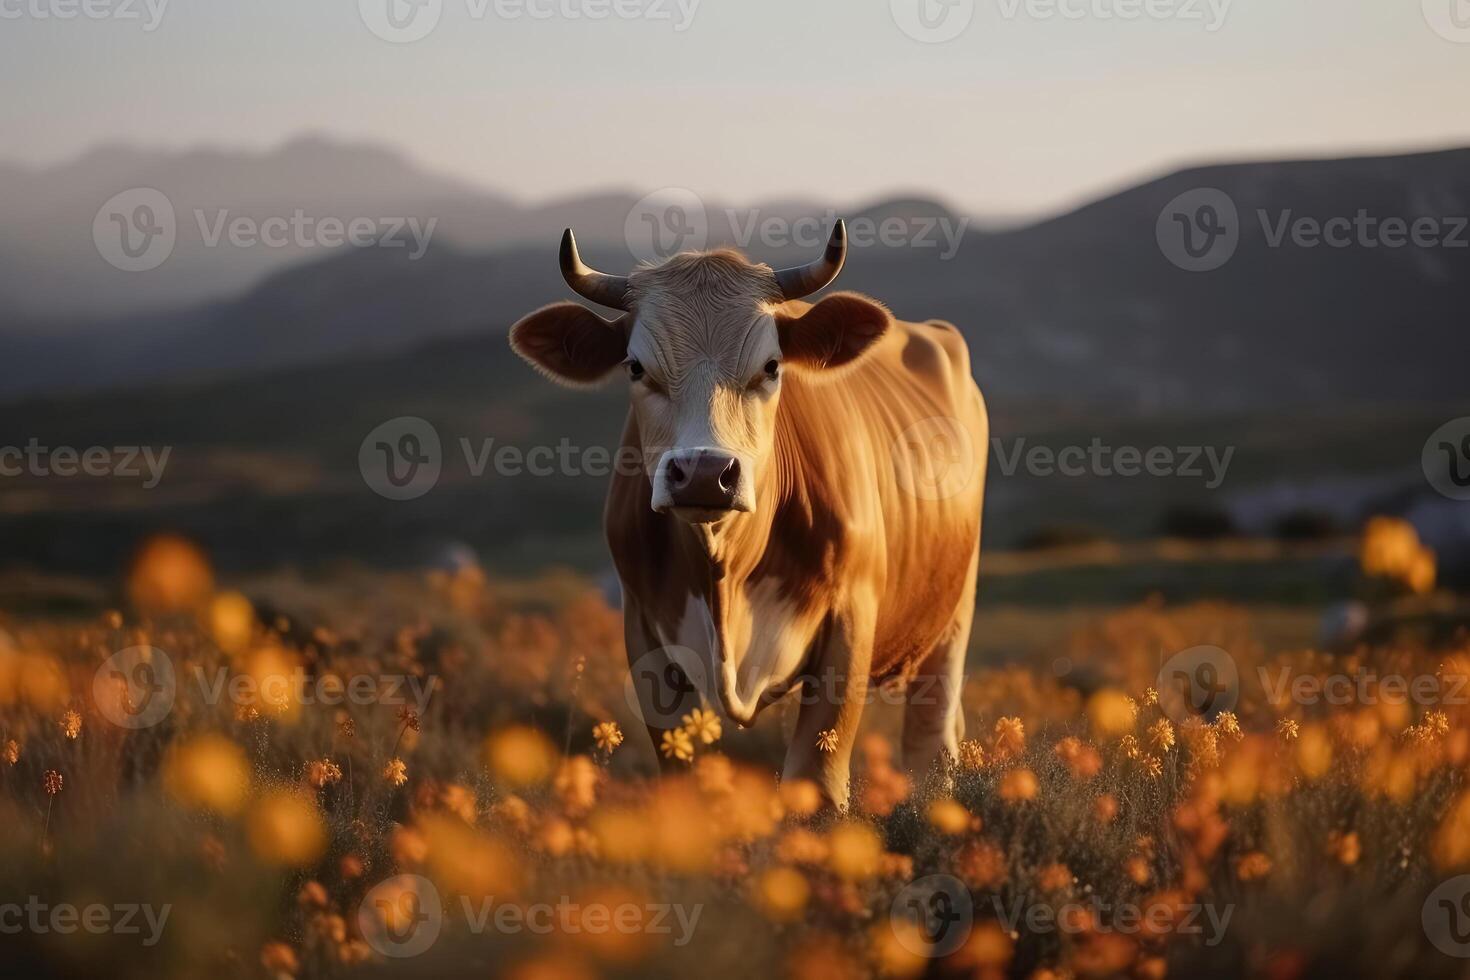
(832, 699)
(663, 690)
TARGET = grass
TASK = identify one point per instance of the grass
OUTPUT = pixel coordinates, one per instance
(1090, 827)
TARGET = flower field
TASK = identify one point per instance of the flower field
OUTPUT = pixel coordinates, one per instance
(444, 775)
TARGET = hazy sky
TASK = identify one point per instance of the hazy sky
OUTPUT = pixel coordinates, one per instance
(1027, 108)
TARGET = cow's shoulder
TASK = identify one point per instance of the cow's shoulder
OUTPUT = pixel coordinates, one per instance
(934, 351)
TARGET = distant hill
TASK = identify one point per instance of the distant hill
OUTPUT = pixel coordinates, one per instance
(1083, 308)
(52, 268)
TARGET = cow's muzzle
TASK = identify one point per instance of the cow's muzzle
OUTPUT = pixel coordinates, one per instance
(701, 485)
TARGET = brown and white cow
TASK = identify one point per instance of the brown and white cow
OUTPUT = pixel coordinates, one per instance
(807, 515)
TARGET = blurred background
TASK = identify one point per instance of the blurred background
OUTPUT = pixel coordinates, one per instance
(259, 421)
(248, 237)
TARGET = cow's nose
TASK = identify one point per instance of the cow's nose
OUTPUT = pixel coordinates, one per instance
(702, 478)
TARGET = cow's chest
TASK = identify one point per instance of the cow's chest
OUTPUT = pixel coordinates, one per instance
(756, 644)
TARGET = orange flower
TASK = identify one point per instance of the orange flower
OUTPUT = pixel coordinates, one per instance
(71, 724)
(677, 744)
(1018, 786)
(607, 735)
(1010, 737)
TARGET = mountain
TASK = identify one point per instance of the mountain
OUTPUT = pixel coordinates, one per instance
(52, 267)
(1083, 309)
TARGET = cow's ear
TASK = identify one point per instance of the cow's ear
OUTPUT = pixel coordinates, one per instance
(570, 344)
(834, 332)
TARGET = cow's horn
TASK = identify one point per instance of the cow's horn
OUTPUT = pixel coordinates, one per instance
(803, 280)
(599, 287)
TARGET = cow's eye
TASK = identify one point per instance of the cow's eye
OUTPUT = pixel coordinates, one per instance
(773, 369)
(635, 370)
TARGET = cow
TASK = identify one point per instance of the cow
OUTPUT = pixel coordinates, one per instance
(804, 512)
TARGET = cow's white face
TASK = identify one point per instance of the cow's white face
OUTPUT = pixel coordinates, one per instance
(704, 369)
(705, 344)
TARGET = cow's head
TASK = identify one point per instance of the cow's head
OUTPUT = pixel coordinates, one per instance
(704, 340)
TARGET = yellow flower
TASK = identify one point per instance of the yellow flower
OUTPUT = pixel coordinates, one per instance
(51, 782)
(396, 772)
(323, 772)
(827, 741)
(209, 772)
(1018, 786)
(1153, 766)
(1253, 865)
(948, 816)
(1010, 737)
(1227, 724)
(71, 724)
(1161, 735)
(972, 755)
(782, 893)
(1287, 729)
(1150, 696)
(607, 735)
(703, 724)
(677, 745)
(12, 751)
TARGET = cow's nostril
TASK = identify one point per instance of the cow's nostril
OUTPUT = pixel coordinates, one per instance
(676, 473)
(730, 476)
